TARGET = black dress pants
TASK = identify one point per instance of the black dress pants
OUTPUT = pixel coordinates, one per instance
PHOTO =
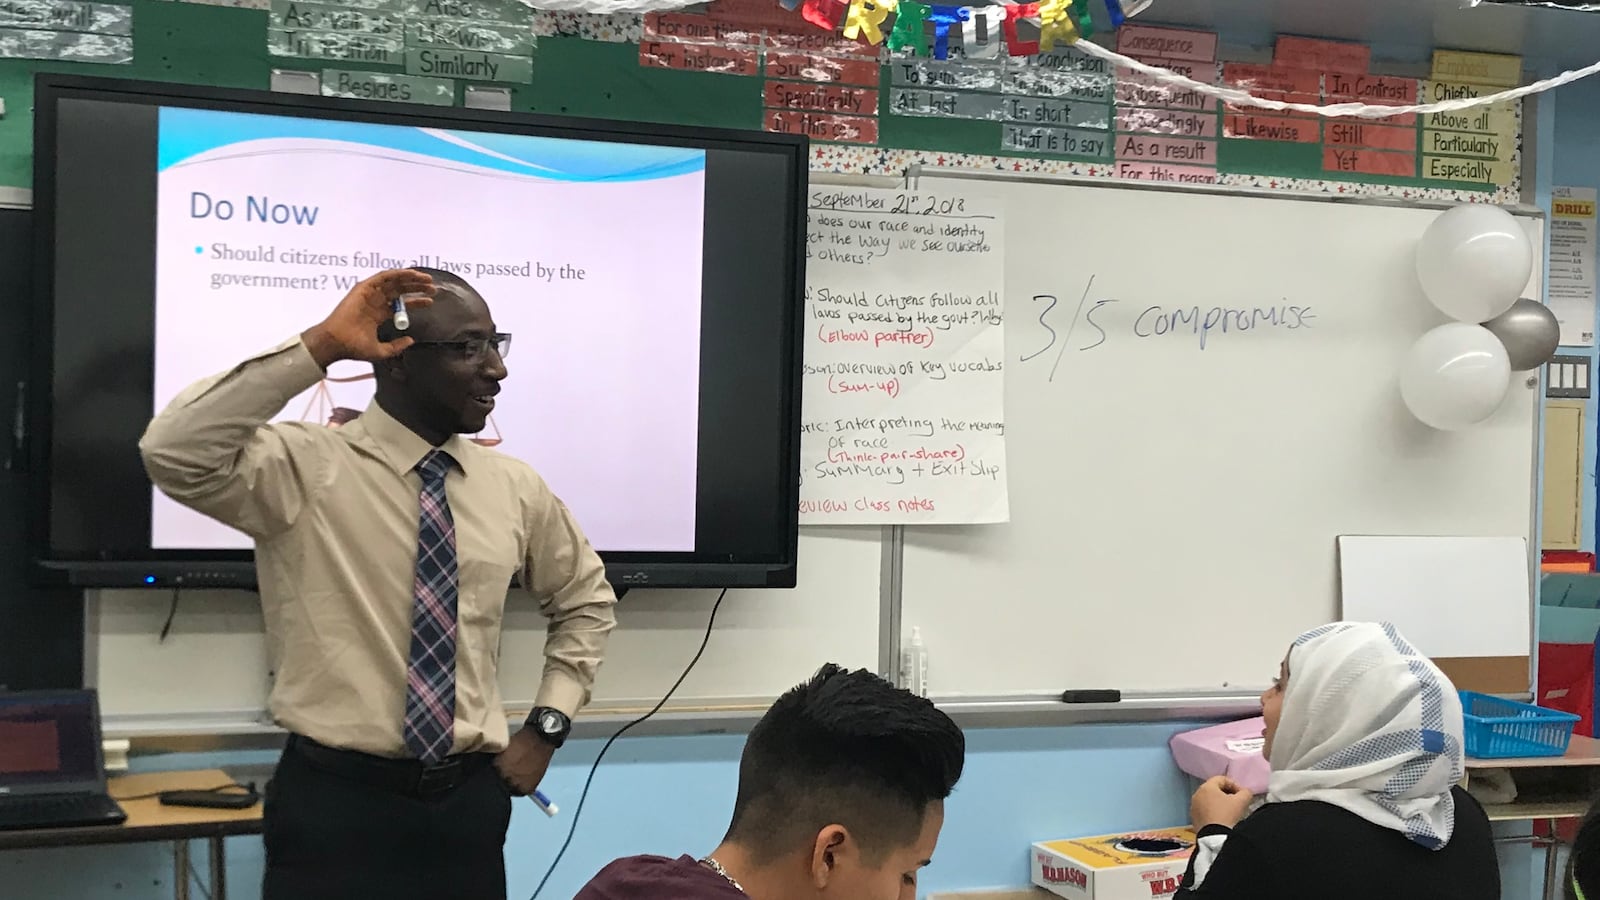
(341, 825)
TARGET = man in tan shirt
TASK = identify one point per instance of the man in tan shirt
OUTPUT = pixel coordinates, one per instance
(384, 551)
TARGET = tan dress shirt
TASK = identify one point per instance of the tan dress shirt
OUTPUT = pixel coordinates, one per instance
(334, 515)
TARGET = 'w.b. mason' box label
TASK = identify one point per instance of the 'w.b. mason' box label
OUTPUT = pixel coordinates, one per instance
(1144, 865)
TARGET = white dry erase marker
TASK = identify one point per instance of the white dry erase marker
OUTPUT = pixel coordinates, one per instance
(402, 320)
(544, 803)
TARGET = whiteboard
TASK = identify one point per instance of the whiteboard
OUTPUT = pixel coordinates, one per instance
(213, 672)
(1175, 509)
(1422, 584)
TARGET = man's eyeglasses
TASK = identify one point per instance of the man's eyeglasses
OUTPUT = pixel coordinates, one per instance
(476, 349)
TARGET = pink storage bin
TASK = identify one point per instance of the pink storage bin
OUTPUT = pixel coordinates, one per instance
(1232, 749)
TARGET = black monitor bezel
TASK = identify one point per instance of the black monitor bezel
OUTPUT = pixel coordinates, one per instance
(166, 569)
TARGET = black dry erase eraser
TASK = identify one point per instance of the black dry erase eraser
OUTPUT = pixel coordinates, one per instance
(1091, 697)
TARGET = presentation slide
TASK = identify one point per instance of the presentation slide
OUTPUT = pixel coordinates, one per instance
(588, 253)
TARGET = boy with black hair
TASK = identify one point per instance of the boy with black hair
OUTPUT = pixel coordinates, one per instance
(841, 795)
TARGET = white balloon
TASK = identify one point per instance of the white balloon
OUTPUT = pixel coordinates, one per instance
(1474, 261)
(1455, 376)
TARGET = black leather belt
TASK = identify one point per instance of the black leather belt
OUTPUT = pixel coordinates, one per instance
(402, 776)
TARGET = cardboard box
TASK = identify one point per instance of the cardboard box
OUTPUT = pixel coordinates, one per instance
(1141, 865)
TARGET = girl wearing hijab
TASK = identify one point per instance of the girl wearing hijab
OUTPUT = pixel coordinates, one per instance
(1364, 737)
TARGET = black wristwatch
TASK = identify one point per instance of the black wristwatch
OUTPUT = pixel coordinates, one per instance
(550, 724)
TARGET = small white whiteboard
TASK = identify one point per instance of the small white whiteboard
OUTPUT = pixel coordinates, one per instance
(1452, 597)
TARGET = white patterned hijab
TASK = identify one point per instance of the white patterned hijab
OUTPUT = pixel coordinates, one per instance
(1371, 726)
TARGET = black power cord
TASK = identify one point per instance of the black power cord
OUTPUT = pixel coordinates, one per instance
(172, 613)
(578, 810)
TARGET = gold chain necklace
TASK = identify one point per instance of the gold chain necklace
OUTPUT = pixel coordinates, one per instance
(716, 867)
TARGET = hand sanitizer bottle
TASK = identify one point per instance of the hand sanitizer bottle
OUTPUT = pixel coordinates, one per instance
(914, 665)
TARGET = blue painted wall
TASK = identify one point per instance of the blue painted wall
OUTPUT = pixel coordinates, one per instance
(673, 795)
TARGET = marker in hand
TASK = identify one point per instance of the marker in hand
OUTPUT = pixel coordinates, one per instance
(544, 803)
(402, 320)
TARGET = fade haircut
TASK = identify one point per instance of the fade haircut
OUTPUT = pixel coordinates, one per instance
(845, 748)
(446, 281)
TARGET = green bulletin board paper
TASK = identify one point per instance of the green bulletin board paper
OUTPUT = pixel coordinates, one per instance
(1294, 160)
(181, 42)
(604, 80)
(227, 46)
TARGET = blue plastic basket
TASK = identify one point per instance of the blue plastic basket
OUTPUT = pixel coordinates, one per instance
(1502, 729)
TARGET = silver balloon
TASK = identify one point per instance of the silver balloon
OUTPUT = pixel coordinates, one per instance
(1530, 332)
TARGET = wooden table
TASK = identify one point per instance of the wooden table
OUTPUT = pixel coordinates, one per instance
(1549, 789)
(148, 821)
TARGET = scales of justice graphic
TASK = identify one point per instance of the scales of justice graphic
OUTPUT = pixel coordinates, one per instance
(322, 408)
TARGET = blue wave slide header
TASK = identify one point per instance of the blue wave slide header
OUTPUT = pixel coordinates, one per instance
(185, 133)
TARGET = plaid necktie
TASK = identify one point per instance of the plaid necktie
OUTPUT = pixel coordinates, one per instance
(431, 667)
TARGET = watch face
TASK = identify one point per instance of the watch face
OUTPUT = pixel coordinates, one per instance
(550, 723)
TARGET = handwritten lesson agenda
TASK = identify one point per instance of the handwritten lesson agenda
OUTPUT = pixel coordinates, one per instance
(904, 390)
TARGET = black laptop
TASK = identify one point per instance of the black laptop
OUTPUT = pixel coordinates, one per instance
(52, 770)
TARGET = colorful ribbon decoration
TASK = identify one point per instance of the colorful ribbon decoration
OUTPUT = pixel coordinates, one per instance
(909, 17)
(980, 33)
(942, 18)
(1015, 13)
(1055, 23)
(825, 14)
(1059, 22)
(865, 19)
(1080, 16)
